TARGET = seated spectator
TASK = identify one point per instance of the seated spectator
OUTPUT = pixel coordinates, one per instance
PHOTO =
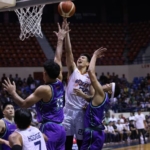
(122, 120)
(133, 130)
(107, 119)
(126, 130)
(113, 118)
(120, 129)
(132, 117)
(110, 133)
(116, 131)
(148, 106)
(106, 132)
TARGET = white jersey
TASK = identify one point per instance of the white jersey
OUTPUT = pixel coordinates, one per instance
(32, 139)
(77, 81)
(140, 121)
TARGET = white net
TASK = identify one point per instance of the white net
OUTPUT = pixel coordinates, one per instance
(30, 21)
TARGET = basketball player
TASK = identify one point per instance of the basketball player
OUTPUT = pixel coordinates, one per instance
(94, 135)
(7, 125)
(78, 90)
(48, 98)
(26, 137)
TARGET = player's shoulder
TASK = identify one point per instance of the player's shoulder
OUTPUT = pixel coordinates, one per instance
(14, 136)
(43, 88)
(2, 123)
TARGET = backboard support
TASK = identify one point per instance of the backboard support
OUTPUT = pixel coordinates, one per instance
(28, 3)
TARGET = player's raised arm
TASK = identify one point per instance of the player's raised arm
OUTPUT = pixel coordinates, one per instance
(69, 55)
(91, 71)
(39, 93)
(59, 49)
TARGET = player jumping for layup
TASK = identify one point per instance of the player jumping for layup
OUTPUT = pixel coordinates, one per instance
(78, 89)
(48, 98)
(93, 135)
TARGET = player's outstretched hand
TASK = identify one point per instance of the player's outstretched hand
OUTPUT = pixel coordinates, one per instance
(78, 92)
(99, 53)
(65, 24)
(9, 87)
(62, 31)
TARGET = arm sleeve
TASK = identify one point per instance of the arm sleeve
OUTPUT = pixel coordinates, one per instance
(16, 147)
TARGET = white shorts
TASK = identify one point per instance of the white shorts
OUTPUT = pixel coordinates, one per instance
(74, 122)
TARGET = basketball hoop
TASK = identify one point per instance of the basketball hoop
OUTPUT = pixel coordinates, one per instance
(30, 21)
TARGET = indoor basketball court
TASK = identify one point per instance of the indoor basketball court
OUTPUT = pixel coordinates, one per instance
(29, 14)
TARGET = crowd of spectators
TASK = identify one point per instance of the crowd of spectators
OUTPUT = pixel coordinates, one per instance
(24, 87)
(133, 95)
(127, 129)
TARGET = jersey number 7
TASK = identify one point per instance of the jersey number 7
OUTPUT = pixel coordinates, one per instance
(38, 143)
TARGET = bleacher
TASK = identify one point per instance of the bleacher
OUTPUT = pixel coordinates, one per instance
(85, 38)
(17, 53)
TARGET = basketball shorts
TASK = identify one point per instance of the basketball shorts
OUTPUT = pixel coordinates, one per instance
(56, 135)
(74, 122)
(93, 140)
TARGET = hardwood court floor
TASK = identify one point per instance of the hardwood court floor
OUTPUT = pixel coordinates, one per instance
(131, 146)
(137, 147)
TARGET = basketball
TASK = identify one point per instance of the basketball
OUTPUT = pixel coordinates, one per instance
(66, 9)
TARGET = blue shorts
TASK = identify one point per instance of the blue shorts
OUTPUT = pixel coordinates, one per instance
(93, 140)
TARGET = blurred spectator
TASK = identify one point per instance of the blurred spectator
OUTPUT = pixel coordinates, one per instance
(133, 130)
(30, 80)
(3, 78)
(103, 79)
(132, 117)
(113, 119)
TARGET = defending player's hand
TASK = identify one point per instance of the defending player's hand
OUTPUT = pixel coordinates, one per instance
(78, 92)
(2, 141)
(9, 87)
(62, 31)
(7, 143)
(85, 107)
(100, 52)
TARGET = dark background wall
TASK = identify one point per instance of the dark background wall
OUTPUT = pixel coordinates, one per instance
(110, 11)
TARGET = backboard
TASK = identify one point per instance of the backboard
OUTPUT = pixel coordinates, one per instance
(27, 3)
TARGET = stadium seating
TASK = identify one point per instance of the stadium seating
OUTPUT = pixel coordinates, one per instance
(85, 38)
(16, 53)
(139, 34)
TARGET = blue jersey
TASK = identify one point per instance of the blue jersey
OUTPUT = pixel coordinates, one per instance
(52, 111)
(10, 128)
(95, 115)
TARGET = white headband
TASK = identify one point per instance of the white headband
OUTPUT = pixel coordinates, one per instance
(113, 89)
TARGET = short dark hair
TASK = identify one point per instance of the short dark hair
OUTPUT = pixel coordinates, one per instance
(86, 55)
(5, 104)
(52, 68)
(23, 118)
(117, 90)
